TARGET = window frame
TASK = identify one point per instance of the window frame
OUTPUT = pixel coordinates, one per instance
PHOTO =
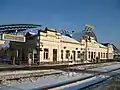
(67, 54)
(78, 54)
(61, 54)
(46, 53)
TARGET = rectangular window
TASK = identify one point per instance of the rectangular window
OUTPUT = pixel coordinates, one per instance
(83, 53)
(104, 55)
(46, 53)
(94, 54)
(61, 54)
(67, 54)
(78, 54)
(88, 54)
(101, 54)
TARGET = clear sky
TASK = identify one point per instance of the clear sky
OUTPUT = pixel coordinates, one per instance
(66, 14)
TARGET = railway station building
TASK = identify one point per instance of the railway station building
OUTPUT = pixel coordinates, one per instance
(31, 45)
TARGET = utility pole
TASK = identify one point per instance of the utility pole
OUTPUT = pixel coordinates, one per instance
(68, 63)
(86, 45)
(38, 47)
(86, 49)
(86, 37)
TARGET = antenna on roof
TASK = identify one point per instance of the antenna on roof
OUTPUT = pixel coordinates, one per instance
(61, 32)
(67, 32)
(73, 31)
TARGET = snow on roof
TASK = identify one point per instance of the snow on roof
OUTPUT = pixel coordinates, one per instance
(33, 31)
(52, 29)
(68, 39)
(102, 45)
(58, 33)
(47, 28)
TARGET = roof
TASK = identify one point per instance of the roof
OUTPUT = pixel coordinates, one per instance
(105, 44)
(102, 46)
(80, 35)
(32, 32)
(90, 33)
(68, 39)
(20, 27)
(50, 29)
(114, 47)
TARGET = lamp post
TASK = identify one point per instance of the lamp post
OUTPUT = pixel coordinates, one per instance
(86, 45)
(38, 47)
(86, 37)
(68, 62)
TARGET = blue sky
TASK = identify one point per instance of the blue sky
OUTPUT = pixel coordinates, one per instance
(66, 14)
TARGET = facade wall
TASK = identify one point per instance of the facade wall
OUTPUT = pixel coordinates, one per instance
(110, 52)
(94, 48)
(72, 47)
(54, 49)
(50, 41)
(53, 41)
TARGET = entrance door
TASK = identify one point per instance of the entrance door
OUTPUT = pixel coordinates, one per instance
(54, 55)
(74, 55)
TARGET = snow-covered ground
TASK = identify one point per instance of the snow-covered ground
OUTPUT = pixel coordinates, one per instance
(79, 84)
(46, 80)
(95, 66)
(106, 68)
(78, 67)
(58, 78)
(22, 72)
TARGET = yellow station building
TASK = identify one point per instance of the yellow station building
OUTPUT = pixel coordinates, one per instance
(50, 46)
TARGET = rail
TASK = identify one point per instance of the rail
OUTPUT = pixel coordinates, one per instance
(73, 81)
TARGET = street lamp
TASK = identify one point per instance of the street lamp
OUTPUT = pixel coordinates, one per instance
(68, 66)
(86, 37)
(38, 47)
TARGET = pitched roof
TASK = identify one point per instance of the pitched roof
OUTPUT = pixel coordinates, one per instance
(32, 32)
(68, 39)
(105, 44)
(102, 46)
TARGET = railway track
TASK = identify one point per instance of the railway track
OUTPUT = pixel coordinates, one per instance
(53, 87)
(43, 67)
